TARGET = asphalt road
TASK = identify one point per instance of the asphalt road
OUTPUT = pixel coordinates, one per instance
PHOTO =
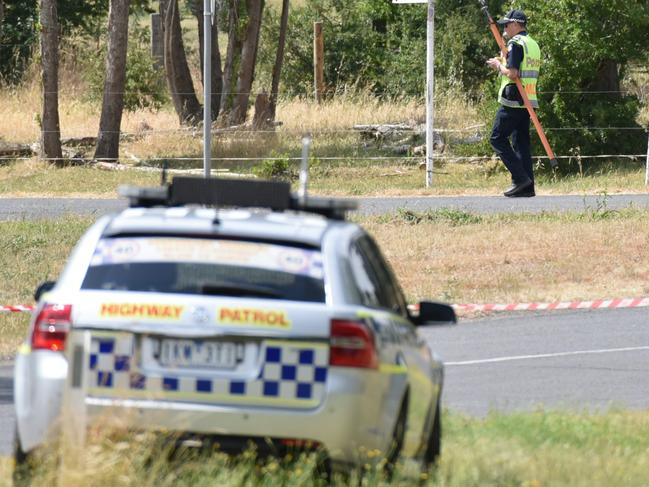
(565, 359)
(40, 208)
(576, 359)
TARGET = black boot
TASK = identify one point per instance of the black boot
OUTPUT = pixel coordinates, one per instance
(518, 190)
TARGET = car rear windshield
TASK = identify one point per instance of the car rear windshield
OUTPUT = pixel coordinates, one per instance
(211, 267)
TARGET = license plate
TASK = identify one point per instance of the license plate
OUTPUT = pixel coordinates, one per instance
(193, 353)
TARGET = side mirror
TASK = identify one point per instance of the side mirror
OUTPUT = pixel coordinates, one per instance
(432, 313)
(42, 288)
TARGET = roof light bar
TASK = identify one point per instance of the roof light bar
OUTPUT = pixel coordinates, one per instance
(238, 193)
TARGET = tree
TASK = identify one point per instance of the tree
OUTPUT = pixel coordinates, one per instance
(248, 61)
(585, 59)
(179, 78)
(50, 126)
(19, 33)
(279, 59)
(232, 56)
(217, 72)
(18, 37)
(113, 101)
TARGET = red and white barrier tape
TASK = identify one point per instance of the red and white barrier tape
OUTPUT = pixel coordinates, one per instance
(596, 304)
(16, 309)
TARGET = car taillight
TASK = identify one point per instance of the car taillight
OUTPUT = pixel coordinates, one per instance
(352, 345)
(51, 327)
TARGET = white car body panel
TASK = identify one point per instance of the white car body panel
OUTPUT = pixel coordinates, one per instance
(109, 350)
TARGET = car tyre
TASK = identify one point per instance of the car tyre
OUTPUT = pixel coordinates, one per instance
(434, 445)
(23, 464)
(398, 438)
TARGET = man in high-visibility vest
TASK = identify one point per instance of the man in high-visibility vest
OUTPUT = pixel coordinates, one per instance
(512, 119)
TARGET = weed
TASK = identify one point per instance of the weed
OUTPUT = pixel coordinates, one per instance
(276, 167)
(600, 211)
(451, 216)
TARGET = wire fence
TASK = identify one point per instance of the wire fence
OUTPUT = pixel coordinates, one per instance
(198, 131)
(439, 157)
(366, 141)
(245, 132)
(375, 94)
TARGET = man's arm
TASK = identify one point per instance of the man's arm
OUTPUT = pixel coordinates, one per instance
(511, 73)
(514, 60)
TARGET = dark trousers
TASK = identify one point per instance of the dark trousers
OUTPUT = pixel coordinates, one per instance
(514, 122)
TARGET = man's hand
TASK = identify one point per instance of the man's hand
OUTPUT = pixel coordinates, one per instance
(494, 63)
(497, 65)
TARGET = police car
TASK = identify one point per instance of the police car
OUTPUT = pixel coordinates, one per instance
(232, 311)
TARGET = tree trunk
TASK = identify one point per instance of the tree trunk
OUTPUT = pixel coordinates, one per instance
(608, 77)
(248, 60)
(113, 101)
(51, 130)
(279, 60)
(260, 120)
(232, 56)
(179, 78)
(217, 73)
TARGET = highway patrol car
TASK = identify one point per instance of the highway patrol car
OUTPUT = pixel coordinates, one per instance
(232, 311)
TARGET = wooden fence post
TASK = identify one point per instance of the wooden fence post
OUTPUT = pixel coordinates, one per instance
(318, 61)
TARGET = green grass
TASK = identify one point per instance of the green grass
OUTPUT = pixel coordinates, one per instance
(522, 449)
(33, 252)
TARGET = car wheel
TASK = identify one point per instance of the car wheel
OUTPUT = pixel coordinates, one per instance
(23, 464)
(398, 438)
(434, 446)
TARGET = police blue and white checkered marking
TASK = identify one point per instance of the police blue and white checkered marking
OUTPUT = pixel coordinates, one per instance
(289, 372)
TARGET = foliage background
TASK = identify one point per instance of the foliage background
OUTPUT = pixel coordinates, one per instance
(374, 46)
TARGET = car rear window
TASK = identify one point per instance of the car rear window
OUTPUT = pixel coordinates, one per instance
(211, 267)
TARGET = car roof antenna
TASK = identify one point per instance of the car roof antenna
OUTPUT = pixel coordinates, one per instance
(304, 170)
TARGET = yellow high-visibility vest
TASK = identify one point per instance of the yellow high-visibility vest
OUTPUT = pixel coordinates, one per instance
(529, 72)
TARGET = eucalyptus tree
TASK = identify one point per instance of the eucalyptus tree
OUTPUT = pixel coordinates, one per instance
(279, 59)
(179, 78)
(232, 55)
(250, 47)
(217, 70)
(50, 125)
(113, 100)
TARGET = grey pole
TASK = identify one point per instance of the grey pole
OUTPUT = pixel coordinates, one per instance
(430, 91)
(207, 87)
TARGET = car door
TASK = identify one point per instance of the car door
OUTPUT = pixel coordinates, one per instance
(410, 347)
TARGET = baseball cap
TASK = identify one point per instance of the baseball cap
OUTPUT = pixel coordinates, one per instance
(514, 16)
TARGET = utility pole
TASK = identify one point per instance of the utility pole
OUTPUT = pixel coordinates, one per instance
(430, 84)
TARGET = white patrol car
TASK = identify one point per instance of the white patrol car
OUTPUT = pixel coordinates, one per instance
(276, 322)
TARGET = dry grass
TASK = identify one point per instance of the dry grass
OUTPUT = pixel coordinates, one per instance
(20, 110)
(519, 259)
(526, 449)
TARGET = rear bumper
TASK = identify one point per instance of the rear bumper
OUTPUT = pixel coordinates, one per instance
(346, 424)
